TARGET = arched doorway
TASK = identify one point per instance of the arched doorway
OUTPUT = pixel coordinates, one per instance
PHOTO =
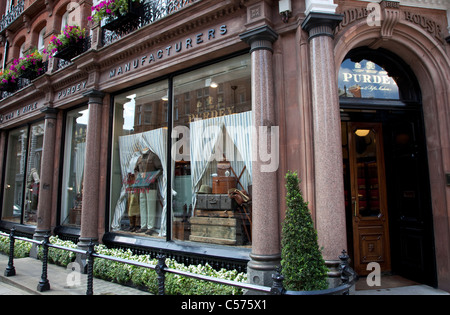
(387, 187)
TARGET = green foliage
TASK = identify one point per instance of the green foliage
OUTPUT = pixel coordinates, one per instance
(301, 259)
(21, 249)
(146, 279)
(140, 277)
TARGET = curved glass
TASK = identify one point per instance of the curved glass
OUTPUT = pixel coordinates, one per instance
(366, 79)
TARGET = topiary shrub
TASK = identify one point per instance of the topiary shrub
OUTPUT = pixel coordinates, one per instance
(303, 266)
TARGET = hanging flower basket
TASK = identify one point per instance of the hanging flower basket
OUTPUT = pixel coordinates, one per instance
(29, 67)
(8, 81)
(118, 14)
(69, 44)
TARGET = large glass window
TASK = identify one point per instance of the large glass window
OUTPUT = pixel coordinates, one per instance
(139, 159)
(212, 153)
(73, 166)
(210, 145)
(22, 177)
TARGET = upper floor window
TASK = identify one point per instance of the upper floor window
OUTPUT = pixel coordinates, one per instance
(41, 44)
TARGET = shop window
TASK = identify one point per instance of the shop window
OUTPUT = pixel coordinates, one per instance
(22, 178)
(73, 166)
(139, 159)
(210, 145)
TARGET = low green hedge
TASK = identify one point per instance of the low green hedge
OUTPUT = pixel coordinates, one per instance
(142, 278)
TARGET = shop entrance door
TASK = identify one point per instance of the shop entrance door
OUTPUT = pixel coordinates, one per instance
(368, 196)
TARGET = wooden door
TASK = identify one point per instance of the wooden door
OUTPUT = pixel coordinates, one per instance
(369, 199)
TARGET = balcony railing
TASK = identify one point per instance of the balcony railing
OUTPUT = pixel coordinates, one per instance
(147, 13)
(11, 15)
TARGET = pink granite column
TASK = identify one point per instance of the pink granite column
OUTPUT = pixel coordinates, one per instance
(89, 212)
(47, 175)
(328, 165)
(265, 256)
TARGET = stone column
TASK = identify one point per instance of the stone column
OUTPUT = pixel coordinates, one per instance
(47, 175)
(89, 209)
(328, 165)
(265, 256)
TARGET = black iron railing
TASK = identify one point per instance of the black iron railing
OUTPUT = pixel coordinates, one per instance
(147, 12)
(348, 276)
(11, 15)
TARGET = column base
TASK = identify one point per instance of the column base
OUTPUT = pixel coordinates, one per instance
(38, 236)
(81, 259)
(261, 268)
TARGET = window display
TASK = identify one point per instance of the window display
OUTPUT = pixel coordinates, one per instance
(73, 168)
(210, 149)
(22, 178)
(138, 180)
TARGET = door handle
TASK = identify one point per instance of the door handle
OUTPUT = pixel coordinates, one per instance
(354, 206)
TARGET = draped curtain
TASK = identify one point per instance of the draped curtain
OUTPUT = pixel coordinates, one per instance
(205, 136)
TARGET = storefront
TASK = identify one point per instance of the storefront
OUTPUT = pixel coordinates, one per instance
(137, 142)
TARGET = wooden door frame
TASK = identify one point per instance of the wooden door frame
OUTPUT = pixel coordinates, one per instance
(368, 223)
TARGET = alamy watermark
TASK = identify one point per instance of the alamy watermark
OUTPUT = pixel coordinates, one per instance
(374, 277)
(213, 146)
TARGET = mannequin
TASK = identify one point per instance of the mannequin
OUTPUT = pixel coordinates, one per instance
(147, 162)
(133, 205)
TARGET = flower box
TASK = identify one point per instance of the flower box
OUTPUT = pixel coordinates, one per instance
(8, 87)
(119, 15)
(69, 51)
(72, 42)
(32, 74)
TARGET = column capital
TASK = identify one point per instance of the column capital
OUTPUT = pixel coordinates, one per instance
(321, 24)
(95, 96)
(260, 38)
(50, 112)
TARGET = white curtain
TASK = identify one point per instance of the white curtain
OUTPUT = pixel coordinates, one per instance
(204, 140)
(129, 151)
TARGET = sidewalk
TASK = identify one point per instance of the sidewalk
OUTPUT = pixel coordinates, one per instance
(63, 281)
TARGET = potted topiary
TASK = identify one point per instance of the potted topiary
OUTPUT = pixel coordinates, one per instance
(302, 263)
(69, 44)
(117, 13)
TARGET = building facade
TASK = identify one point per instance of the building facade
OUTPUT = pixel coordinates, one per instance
(136, 137)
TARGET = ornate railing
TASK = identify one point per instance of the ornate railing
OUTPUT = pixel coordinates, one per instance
(348, 276)
(148, 12)
(12, 15)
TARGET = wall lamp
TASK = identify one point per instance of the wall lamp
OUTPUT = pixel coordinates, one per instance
(285, 7)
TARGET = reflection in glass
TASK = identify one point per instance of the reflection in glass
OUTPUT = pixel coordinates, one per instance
(367, 173)
(14, 178)
(212, 123)
(73, 168)
(139, 159)
(35, 144)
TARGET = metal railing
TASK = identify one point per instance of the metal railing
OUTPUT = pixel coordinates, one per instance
(348, 276)
(11, 15)
(145, 13)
